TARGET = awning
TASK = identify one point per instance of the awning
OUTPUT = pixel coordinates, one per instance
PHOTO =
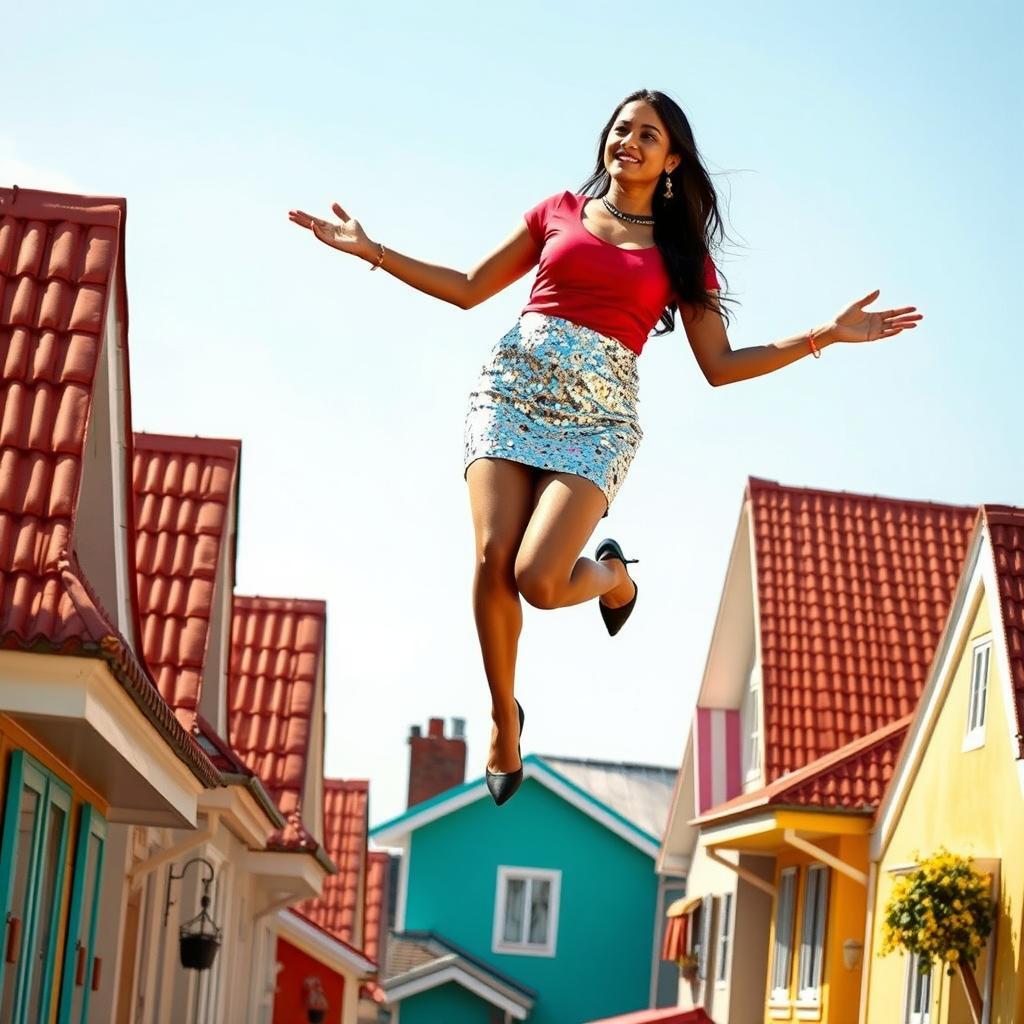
(673, 1015)
(673, 945)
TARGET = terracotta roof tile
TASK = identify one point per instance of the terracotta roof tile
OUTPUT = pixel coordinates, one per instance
(277, 648)
(377, 881)
(182, 489)
(342, 902)
(853, 594)
(1006, 528)
(853, 778)
(61, 263)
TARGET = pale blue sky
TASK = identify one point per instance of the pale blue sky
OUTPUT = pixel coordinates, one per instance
(854, 147)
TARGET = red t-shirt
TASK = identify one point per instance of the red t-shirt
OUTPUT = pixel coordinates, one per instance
(618, 292)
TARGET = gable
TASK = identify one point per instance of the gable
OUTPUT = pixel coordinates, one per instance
(937, 767)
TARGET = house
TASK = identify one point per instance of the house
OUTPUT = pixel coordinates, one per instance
(90, 752)
(959, 783)
(186, 525)
(504, 913)
(831, 610)
(321, 943)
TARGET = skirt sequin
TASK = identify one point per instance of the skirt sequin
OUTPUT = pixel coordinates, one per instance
(558, 396)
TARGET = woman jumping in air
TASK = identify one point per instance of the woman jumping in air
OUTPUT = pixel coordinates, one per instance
(552, 425)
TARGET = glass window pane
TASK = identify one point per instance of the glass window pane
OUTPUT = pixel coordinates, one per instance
(19, 892)
(783, 934)
(42, 965)
(540, 900)
(515, 910)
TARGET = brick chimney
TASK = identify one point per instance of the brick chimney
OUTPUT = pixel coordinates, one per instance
(436, 762)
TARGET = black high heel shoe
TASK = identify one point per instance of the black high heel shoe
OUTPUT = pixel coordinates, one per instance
(615, 618)
(503, 785)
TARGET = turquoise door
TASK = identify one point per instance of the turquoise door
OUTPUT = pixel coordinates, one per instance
(79, 962)
(32, 854)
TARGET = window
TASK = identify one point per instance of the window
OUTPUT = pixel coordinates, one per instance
(702, 936)
(724, 938)
(32, 858)
(750, 721)
(526, 911)
(79, 962)
(975, 736)
(812, 933)
(782, 955)
(918, 997)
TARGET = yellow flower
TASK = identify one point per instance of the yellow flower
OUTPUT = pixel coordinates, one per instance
(952, 955)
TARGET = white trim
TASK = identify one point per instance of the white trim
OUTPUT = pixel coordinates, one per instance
(532, 769)
(791, 838)
(457, 973)
(321, 947)
(402, 895)
(240, 813)
(506, 874)
(977, 693)
(293, 875)
(145, 781)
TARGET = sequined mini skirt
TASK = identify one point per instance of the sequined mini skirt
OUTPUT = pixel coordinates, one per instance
(558, 396)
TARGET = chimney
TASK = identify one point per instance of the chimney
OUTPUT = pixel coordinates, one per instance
(436, 763)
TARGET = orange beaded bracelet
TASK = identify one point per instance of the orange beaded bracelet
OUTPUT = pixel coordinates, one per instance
(814, 347)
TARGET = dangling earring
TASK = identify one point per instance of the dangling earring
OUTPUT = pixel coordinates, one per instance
(668, 186)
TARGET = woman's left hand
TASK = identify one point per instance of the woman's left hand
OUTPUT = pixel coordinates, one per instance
(856, 324)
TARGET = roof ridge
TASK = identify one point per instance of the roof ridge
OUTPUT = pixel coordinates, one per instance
(607, 764)
(760, 483)
(310, 605)
(191, 444)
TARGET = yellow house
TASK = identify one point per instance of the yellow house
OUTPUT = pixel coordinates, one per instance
(815, 824)
(960, 784)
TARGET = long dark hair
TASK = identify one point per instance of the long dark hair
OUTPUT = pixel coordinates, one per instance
(687, 226)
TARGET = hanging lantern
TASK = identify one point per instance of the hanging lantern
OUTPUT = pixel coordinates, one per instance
(198, 938)
(315, 1000)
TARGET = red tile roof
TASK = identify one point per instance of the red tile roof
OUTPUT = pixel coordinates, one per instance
(853, 778)
(1006, 528)
(277, 650)
(853, 593)
(182, 489)
(377, 880)
(340, 907)
(61, 263)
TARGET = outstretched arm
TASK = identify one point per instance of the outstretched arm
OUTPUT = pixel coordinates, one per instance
(721, 364)
(507, 263)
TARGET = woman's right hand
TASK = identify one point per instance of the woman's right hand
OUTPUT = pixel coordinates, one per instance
(348, 236)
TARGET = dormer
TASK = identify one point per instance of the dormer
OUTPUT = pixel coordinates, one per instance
(186, 520)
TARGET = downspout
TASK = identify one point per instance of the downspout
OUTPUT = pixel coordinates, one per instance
(173, 853)
(747, 876)
(825, 857)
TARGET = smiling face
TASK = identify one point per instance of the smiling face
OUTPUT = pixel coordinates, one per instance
(636, 150)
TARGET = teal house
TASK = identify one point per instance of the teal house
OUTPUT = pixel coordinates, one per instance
(542, 910)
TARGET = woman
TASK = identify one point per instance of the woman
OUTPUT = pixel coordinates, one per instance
(552, 426)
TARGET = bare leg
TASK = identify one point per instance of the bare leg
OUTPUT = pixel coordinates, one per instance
(549, 571)
(501, 494)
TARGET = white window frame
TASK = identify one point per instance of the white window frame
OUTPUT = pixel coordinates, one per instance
(723, 954)
(809, 996)
(752, 725)
(703, 938)
(977, 701)
(779, 997)
(506, 874)
(910, 1015)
